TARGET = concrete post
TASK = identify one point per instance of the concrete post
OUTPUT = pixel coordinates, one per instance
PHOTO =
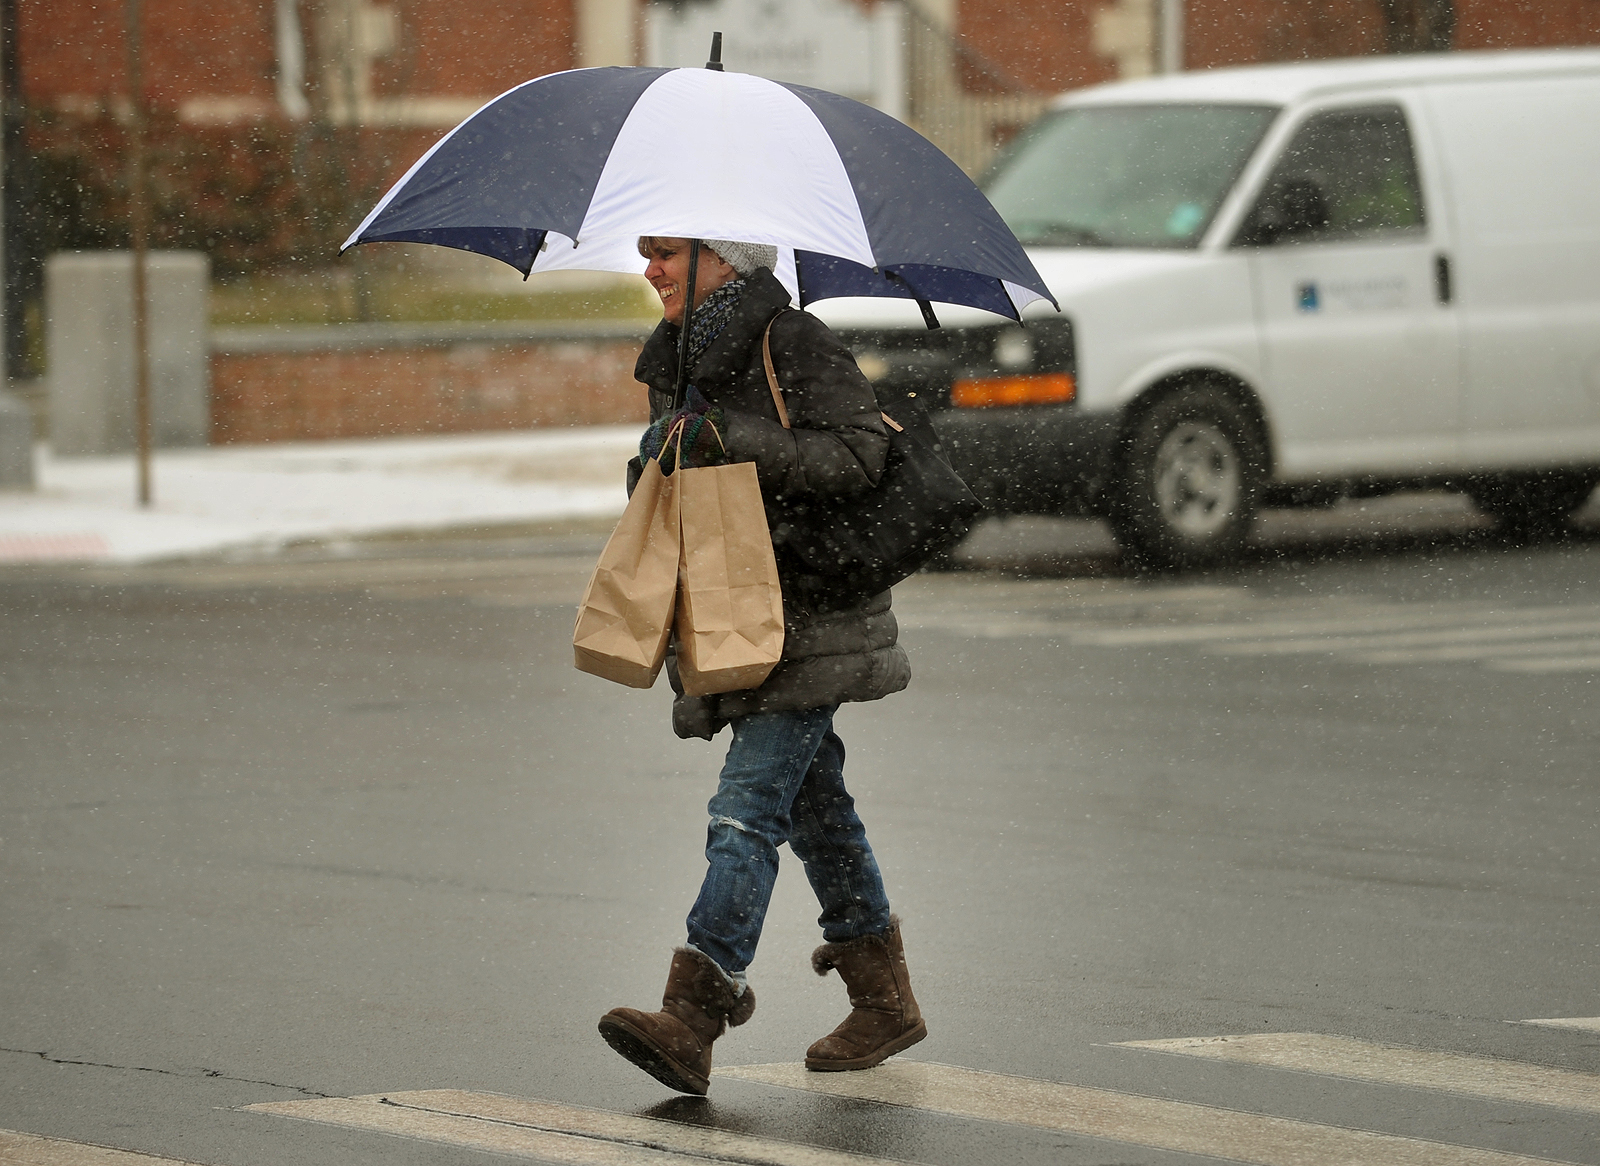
(16, 443)
(16, 420)
(605, 32)
(90, 350)
(889, 68)
(1169, 35)
(1126, 32)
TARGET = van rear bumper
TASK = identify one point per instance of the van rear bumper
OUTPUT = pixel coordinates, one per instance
(1033, 459)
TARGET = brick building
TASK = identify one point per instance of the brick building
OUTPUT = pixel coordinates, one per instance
(276, 123)
(416, 62)
(1068, 43)
(425, 63)
(421, 65)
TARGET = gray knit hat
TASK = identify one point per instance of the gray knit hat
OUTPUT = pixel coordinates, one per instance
(744, 257)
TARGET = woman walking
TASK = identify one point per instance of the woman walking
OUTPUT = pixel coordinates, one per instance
(783, 779)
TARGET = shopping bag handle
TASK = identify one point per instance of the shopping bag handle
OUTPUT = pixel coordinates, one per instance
(674, 440)
(777, 393)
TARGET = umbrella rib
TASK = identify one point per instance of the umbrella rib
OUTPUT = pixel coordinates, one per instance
(923, 303)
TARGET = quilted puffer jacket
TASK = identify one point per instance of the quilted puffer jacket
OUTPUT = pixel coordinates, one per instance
(836, 446)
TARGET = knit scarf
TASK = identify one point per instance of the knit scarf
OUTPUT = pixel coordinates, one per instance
(711, 316)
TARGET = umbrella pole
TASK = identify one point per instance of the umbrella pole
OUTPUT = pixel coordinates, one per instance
(681, 389)
(928, 317)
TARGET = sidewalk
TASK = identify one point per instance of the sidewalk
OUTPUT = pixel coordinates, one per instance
(258, 497)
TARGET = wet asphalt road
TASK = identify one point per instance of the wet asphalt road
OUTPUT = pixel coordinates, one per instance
(347, 822)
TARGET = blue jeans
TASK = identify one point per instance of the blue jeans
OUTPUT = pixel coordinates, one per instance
(783, 781)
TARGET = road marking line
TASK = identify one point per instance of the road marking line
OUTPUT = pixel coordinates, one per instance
(1548, 664)
(1195, 634)
(1359, 1060)
(1582, 1023)
(1445, 636)
(518, 1128)
(1180, 1126)
(1544, 649)
(1015, 625)
(959, 592)
(997, 628)
(19, 1149)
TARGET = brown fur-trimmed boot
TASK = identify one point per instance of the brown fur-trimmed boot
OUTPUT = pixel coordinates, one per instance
(884, 1018)
(674, 1045)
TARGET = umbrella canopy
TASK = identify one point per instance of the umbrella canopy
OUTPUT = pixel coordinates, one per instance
(567, 171)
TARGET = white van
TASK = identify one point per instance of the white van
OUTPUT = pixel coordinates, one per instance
(1282, 285)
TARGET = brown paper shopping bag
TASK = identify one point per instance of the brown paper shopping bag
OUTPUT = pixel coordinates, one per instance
(626, 613)
(730, 608)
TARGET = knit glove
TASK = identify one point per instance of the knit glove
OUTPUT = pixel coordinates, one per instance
(703, 427)
(650, 445)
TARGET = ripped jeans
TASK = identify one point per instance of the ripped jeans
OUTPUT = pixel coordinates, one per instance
(783, 781)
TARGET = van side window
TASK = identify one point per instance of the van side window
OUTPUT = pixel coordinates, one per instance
(1347, 174)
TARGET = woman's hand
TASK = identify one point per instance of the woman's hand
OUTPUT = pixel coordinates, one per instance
(704, 426)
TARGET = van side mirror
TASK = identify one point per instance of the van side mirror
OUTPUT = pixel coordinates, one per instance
(1289, 208)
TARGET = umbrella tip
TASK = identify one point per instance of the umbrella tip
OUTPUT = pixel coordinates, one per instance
(716, 52)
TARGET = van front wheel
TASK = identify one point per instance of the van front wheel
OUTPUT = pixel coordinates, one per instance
(1191, 476)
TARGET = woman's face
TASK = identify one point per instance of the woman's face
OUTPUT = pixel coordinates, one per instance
(668, 273)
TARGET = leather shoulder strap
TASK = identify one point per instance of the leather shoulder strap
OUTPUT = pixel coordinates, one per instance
(772, 374)
(777, 393)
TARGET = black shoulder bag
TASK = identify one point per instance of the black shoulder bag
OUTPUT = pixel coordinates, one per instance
(857, 546)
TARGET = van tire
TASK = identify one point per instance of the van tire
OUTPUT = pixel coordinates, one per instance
(1532, 504)
(1190, 479)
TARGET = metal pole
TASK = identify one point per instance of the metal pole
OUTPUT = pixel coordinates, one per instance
(680, 392)
(1169, 36)
(5, 355)
(139, 214)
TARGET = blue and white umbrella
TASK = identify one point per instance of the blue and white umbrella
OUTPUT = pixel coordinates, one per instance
(568, 170)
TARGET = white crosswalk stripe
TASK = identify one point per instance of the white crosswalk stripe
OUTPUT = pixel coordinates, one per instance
(554, 1132)
(1268, 629)
(1359, 1060)
(1491, 652)
(19, 1149)
(1580, 1023)
(549, 1132)
(1548, 664)
(1488, 632)
(1179, 1126)
(1231, 622)
(511, 1127)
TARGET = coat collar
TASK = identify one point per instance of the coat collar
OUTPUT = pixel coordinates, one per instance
(764, 297)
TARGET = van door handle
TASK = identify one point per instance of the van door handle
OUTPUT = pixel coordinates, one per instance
(1441, 278)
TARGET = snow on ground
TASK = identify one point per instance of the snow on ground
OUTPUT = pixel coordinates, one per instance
(262, 496)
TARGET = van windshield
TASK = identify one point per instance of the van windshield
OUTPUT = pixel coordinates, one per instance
(1124, 175)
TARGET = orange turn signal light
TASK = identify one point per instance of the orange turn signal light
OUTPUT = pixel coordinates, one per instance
(1050, 388)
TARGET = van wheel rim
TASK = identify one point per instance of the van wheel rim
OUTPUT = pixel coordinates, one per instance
(1197, 480)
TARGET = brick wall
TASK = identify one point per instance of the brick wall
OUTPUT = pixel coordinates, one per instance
(308, 385)
(477, 49)
(1239, 32)
(1500, 24)
(1048, 44)
(1243, 32)
(77, 49)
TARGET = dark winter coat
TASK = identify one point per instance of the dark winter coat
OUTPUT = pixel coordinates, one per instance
(836, 447)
